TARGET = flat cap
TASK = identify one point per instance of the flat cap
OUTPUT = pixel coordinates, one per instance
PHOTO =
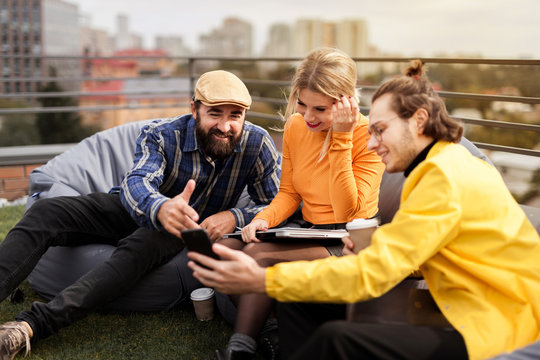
(220, 88)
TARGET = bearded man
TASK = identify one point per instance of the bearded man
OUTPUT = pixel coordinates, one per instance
(188, 172)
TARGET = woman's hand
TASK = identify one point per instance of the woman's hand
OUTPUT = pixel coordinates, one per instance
(345, 114)
(248, 232)
(348, 245)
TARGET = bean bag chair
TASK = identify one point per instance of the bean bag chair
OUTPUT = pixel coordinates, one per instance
(530, 352)
(95, 165)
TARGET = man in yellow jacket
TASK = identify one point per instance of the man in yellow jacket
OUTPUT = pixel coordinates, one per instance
(457, 223)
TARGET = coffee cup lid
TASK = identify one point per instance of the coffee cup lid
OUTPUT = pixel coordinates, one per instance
(202, 294)
(362, 224)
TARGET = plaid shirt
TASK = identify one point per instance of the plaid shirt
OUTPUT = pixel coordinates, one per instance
(168, 155)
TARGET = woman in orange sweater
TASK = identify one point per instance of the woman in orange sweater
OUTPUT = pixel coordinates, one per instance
(326, 167)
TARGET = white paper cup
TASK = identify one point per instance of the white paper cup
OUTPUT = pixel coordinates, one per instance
(203, 302)
(360, 231)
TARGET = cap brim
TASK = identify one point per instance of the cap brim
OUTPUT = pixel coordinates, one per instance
(226, 102)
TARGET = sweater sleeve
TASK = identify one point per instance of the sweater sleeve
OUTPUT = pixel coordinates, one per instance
(287, 199)
(355, 174)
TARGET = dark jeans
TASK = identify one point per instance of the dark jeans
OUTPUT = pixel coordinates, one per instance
(318, 331)
(72, 221)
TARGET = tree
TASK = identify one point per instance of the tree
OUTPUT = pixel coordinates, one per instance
(60, 127)
(17, 129)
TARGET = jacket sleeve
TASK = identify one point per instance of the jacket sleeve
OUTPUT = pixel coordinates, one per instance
(140, 187)
(426, 221)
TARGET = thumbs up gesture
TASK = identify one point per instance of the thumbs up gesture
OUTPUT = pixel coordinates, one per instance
(176, 215)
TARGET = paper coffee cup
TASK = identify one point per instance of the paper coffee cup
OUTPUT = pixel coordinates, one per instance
(203, 302)
(360, 231)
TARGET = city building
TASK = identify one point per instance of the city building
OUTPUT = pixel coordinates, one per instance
(124, 39)
(61, 37)
(96, 42)
(350, 35)
(308, 34)
(279, 42)
(33, 28)
(21, 34)
(146, 76)
(60, 28)
(172, 45)
(149, 98)
(233, 38)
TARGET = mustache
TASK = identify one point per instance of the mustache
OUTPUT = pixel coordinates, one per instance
(218, 132)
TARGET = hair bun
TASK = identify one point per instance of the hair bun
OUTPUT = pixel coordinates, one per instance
(415, 68)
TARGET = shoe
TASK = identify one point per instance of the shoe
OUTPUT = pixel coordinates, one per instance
(226, 354)
(268, 344)
(14, 337)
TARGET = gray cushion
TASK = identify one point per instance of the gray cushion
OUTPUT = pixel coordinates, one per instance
(95, 165)
(533, 214)
(61, 266)
(531, 352)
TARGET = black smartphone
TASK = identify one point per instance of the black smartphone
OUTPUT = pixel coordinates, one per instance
(198, 240)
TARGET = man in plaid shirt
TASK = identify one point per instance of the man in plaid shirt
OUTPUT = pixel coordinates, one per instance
(188, 172)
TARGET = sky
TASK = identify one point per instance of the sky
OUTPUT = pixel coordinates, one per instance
(491, 28)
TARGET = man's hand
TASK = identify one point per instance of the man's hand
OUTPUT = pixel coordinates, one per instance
(176, 215)
(235, 273)
(218, 224)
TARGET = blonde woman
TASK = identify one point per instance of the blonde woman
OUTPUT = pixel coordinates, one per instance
(326, 167)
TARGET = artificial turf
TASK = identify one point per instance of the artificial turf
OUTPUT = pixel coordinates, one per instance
(173, 334)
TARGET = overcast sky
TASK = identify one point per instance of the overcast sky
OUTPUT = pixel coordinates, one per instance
(493, 28)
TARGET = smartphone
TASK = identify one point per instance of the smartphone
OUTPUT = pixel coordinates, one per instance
(198, 240)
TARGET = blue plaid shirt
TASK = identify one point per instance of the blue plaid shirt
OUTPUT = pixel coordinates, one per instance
(168, 155)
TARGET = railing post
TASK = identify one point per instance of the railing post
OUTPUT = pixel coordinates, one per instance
(191, 70)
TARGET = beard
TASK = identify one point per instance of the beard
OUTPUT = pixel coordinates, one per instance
(404, 153)
(216, 149)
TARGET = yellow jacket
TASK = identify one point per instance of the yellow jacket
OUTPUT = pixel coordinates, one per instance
(477, 251)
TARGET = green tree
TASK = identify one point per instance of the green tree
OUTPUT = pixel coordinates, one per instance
(17, 129)
(60, 127)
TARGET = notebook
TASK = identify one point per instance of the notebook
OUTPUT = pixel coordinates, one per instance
(292, 233)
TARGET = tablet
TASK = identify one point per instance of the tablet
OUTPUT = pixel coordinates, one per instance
(288, 233)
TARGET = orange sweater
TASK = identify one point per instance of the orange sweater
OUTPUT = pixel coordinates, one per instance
(342, 187)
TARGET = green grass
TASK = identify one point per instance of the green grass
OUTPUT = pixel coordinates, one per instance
(8, 217)
(174, 334)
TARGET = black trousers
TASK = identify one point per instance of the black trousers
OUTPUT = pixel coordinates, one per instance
(318, 331)
(72, 221)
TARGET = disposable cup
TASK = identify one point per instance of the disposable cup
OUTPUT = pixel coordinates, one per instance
(360, 231)
(203, 302)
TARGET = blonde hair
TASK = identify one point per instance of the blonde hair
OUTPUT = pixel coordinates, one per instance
(326, 71)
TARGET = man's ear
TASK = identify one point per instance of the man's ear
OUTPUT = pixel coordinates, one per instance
(193, 111)
(421, 117)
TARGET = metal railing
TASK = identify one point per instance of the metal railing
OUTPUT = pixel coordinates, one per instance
(196, 65)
